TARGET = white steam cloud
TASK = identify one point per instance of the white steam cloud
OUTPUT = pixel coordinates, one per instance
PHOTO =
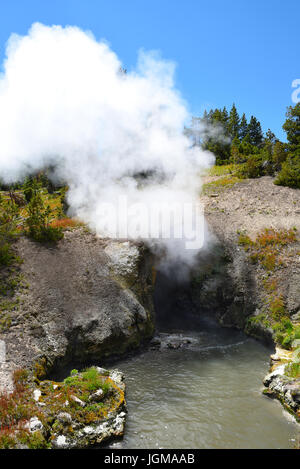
(64, 102)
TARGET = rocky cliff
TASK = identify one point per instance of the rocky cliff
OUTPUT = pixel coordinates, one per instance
(83, 299)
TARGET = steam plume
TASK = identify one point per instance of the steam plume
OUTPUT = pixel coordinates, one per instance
(64, 102)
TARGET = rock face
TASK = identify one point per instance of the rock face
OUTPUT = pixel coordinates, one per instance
(255, 287)
(86, 298)
(226, 281)
(225, 284)
(280, 384)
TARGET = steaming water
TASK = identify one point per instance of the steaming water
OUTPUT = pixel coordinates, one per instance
(206, 394)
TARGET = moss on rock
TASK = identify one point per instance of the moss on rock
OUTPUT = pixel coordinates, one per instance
(85, 409)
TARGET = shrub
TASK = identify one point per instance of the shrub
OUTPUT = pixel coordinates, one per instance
(267, 247)
(286, 333)
(277, 307)
(222, 170)
(39, 219)
(29, 188)
(279, 155)
(253, 168)
(64, 223)
(293, 370)
(88, 380)
(9, 217)
(290, 173)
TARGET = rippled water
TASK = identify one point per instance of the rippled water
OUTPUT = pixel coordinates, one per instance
(206, 394)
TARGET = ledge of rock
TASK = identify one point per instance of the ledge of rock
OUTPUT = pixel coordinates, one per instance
(281, 382)
(85, 299)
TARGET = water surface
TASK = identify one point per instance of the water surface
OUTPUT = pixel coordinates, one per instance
(206, 394)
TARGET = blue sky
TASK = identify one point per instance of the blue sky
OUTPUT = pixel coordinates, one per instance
(246, 51)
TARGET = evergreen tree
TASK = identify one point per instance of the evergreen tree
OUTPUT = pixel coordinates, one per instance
(279, 154)
(218, 117)
(290, 172)
(214, 138)
(225, 118)
(205, 116)
(246, 148)
(243, 127)
(271, 137)
(255, 132)
(268, 147)
(233, 123)
(292, 127)
(234, 151)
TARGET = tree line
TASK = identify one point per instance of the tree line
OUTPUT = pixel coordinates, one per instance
(235, 140)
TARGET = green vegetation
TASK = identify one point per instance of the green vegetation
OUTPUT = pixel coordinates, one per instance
(236, 142)
(17, 408)
(40, 216)
(267, 250)
(260, 319)
(88, 380)
(226, 181)
(290, 172)
(293, 370)
(30, 210)
(10, 282)
(35, 209)
(286, 333)
(9, 219)
(222, 170)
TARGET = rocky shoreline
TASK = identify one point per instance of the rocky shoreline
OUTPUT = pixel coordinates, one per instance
(279, 383)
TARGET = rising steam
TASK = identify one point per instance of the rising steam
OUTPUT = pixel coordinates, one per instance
(64, 102)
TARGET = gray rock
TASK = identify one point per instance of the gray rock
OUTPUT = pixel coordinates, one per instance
(296, 317)
(61, 442)
(279, 371)
(117, 376)
(102, 371)
(105, 306)
(293, 298)
(96, 396)
(296, 343)
(36, 394)
(78, 401)
(35, 425)
(64, 418)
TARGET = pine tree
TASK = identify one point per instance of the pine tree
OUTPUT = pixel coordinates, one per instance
(234, 151)
(243, 127)
(292, 127)
(225, 118)
(279, 154)
(255, 132)
(268, 145)
(290, 172)
(270, 136)
(233, 123)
